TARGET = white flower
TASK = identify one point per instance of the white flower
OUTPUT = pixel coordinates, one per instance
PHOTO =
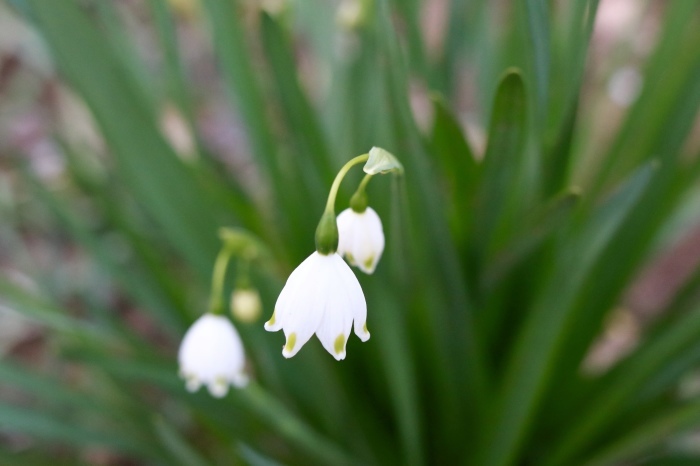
(211, 353)
(361, 238)
(321, 296)
(245, 304)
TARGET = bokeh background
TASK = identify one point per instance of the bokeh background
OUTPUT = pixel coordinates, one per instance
(537, 303)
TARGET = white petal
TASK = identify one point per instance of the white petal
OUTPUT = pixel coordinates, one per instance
(345, 222)
(368, 241)
(292, 288)
(192, 383)
(303, 312)
(357, 301)
(218, 388)
(335, 327)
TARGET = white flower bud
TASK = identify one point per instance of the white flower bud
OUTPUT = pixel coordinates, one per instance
(361, 238)
(245, 304)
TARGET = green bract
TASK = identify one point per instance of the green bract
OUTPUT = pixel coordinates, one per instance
(382, 161)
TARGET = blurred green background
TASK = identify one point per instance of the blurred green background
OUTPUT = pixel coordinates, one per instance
(537, 303)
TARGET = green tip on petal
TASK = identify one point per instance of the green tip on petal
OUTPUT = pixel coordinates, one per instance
(291, 341)
(364, 327)
(272, 319)
(368, 262)
(339, 344)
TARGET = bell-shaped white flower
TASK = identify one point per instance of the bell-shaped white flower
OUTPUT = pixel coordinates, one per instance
(361, 238)
(211, 354)
(321, 296)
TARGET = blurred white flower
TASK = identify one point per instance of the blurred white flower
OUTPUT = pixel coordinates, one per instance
(361, 238)
(245, 304)
(211, 354)
(321, 296)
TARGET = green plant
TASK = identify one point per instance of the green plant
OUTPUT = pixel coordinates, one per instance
(499, 271)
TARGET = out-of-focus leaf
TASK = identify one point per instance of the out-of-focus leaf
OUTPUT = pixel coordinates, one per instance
(175, 74)
(537, 18)
(531, 359)
(41, 425)
(501, 189)
(255, 458)
(314, 156)
(149, 166)
(246, 90)
(46, 388)
(672, 460)
(10, 457)
(451, 342)
(569, 56)
(457, 162)
(623, 383)
(403, 380)
(141, 286)
(537, 228)
(176, 445)
(669, 100)
(618, 261)
(279, 418)
(37, 308)
(651, 434)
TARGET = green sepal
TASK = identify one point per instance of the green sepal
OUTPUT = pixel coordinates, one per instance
(327, 234)
(358, 201)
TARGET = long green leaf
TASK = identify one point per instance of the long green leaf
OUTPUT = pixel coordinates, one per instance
(650, 435)
(151, 169)
(313, 150)
(41, 425)
(502, 182)
(458, 165)
(176, 445)
(625, 383)
(535, 350)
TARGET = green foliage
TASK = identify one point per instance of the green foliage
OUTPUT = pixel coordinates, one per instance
(502, 267)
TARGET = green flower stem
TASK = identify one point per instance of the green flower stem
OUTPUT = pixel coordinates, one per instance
(243, 278)
(216, 303)
(358, 201)
(364, 182)
(330, 205)
(327, 229)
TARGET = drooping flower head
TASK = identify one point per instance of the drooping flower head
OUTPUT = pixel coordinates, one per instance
(321, 296)
(361, 238)
(211, 354)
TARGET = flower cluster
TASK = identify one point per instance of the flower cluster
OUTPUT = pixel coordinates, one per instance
(322, 296)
